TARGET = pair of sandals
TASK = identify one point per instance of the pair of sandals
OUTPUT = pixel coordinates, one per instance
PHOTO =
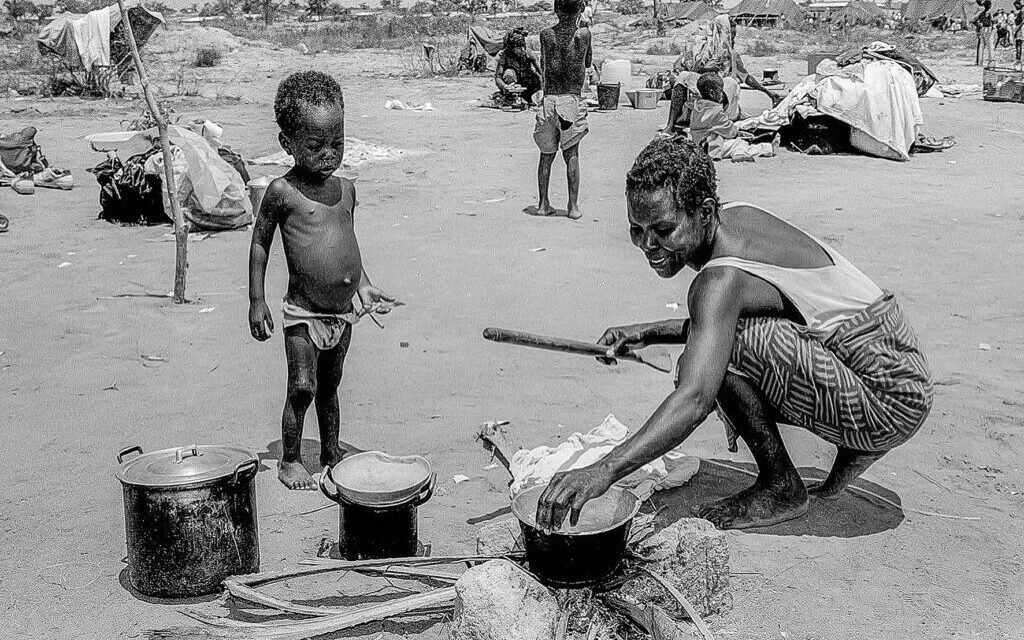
(49, 178)
(925, 144)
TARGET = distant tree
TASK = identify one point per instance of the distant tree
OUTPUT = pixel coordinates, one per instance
(18, 9)
(630, 7)
(44, 11)
(317, 7)
(422, 6)
(545, 6)
(391, 5)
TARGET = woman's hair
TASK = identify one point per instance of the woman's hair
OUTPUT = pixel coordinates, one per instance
(679, 165)
(515, 38)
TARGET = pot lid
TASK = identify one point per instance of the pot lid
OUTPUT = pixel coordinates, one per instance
(604, 513)
(376, 479)
(184, 465)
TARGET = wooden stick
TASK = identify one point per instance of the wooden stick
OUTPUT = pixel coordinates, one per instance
(691, 611)
(180, 231)
(298, 630)
(326, 565)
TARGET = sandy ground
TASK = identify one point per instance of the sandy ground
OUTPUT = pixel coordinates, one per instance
(444, 231)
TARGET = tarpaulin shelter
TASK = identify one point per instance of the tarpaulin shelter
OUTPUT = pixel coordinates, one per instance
(681, 12)
(96, 40)
(482, 45)
(767, 13)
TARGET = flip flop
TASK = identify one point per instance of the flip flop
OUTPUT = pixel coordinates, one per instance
(24, 186)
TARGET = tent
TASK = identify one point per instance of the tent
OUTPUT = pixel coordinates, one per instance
(768, 13)
(861, 12)
(97, 40)
(482, 45)
(680, 12)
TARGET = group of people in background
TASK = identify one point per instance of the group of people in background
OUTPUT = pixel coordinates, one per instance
(998, 29)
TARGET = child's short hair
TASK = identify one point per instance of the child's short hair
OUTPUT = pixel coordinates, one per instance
(711, 87)
(568, 7)
(302, 89)
(679, 165)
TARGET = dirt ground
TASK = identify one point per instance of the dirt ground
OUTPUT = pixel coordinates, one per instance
(444, 231)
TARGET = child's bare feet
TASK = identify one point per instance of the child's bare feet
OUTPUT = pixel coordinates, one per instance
(330, 456)
(294, 476)
(574, 212)
(545, 209)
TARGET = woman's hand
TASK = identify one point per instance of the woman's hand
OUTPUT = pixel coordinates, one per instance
(568, 491)
(619, 340)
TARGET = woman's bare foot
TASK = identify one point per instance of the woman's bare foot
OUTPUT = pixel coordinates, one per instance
(294, 476)
(758, 506)
(825, 490)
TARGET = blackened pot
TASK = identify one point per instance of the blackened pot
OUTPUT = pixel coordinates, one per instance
(372, 532)
(190, 518)
(581, 556)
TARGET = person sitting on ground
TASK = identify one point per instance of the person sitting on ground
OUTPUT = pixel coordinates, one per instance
(565, 55)
(517, 67)
(781, 329)
(314, 210)
(714, 131)
(715, 52)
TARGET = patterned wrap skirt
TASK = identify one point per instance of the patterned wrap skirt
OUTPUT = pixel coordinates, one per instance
(865, 385)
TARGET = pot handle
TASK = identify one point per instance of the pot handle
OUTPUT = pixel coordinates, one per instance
(427, 492)
(253, 464)
(186, 452)
(123, 452)
(324, 477)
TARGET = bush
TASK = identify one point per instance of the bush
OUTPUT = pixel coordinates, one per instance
(208, 57)
(762, 48)
(630, 7)
(662, 48)
(18, 9)
(79, 6)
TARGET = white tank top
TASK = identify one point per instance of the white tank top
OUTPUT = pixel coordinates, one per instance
(825, 296)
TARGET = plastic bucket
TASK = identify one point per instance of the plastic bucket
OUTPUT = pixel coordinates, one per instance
(647, 98)
(608, 96)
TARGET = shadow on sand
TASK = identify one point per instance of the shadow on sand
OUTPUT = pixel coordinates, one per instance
(310, 454)
(850, 516)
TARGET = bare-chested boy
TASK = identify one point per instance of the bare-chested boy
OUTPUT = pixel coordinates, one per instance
(314, 210)
(565, 56)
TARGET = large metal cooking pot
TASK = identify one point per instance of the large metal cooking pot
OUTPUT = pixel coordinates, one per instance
(190, 518)
(581, 556)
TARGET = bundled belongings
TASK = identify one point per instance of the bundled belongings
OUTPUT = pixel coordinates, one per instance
(210, 191)
(877, 100)
(23, 166)
(924, 79)
(129, 195)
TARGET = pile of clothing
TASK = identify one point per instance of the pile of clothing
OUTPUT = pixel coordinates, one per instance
(23, 166)
(210, 179)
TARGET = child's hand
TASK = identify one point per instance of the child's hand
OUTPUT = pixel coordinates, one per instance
(375, 301)
(261, 323)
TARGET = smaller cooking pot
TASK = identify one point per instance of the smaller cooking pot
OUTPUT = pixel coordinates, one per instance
(581, 556)
(378, 501)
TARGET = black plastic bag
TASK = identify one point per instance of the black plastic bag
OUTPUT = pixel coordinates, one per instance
(128, 195)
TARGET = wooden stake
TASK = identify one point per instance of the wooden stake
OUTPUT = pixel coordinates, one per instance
(180, 231)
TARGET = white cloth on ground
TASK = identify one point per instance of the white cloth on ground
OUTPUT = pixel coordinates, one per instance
(531, 467)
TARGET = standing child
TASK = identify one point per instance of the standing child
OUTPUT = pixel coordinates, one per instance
(314, 210)
(565, 56)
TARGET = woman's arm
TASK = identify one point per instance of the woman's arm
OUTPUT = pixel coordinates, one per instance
(715, 301)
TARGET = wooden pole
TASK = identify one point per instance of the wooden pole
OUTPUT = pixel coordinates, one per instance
(180, 230)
